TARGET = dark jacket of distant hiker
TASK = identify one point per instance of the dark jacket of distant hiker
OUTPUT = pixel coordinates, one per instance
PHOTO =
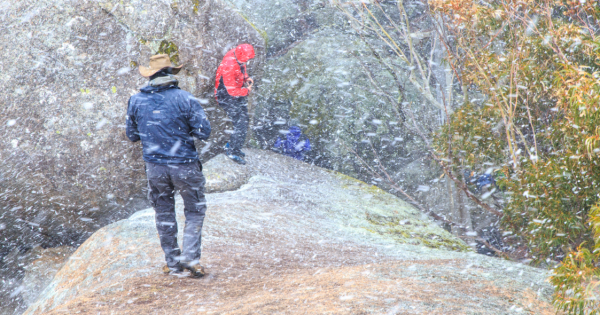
(167, 120)
(294, 145)
(231, 74)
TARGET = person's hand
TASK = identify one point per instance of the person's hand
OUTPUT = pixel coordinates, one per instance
(249, 83)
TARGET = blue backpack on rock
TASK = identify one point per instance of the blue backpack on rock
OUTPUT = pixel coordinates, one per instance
(294, 145)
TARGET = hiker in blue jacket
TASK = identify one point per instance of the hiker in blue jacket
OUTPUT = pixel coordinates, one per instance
(167, 120)
(294, 145)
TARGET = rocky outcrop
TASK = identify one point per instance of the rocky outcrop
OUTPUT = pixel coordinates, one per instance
(222, 175)
(294, 238)
(68, 69)
(322, 76)
(283, 23)
(320, 85)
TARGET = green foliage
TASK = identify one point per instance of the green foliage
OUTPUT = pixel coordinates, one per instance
(553, 196)
(196, 6)
(472, 131)
(540, 124)
(577, 279)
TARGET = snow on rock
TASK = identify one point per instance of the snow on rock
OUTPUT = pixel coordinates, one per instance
(294, 238)
(40, 272)
(223, 175)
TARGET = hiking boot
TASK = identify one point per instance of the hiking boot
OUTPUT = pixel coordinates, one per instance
(197, 270)
(236, 159)
(171, 271)
(228, 151)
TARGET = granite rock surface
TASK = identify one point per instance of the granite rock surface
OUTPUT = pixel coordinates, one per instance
(295, 239)
(322, 76)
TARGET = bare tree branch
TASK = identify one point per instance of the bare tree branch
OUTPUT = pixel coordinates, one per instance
(395, 104)
(415, 61)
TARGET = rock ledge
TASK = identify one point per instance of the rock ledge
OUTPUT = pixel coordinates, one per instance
(294, 238)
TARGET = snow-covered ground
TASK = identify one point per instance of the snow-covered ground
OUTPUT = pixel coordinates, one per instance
(289, 237)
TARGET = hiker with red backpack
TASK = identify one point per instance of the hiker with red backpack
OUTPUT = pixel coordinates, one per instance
(232, 86)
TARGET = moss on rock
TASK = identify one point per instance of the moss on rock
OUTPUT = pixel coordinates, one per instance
(262, 32)
(196, 5)
(169, 48)
(391, 217)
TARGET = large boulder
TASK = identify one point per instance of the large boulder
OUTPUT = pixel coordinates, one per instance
(294, 239)
(68, 70)
(320, 85)
(322, 76)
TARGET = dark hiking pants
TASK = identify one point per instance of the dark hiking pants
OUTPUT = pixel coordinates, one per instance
(237, 109)
(188, 179)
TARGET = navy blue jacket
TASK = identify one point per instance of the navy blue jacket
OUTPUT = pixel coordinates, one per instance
(167, 120)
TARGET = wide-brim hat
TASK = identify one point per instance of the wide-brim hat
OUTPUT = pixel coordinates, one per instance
(157, 63)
